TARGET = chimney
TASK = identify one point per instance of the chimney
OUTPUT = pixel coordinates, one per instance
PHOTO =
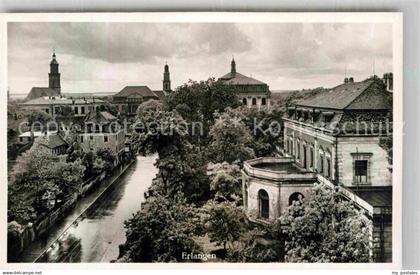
(351, 80)
(346, 80)
(388, 80)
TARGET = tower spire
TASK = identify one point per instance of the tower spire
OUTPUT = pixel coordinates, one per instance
(166, 79)
(233, 66)
(54, 75)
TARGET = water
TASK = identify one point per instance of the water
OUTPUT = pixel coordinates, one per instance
(97, 233)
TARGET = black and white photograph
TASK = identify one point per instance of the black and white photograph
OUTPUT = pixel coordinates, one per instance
(217, 141)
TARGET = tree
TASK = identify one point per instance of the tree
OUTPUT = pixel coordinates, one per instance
(108, 157)
(38, 119)
(225, 180)
(198, 101)
(325, 228)
(231, 139)
(161, 232)
(224, 222)
(253, 247)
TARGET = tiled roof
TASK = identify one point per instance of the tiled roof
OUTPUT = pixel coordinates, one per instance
(52, 141)
(375, 196)
(99, 117)
(368, 94)
(240, 79)
(160, 94)
(41, 92)
(57, 100)
(142, 91)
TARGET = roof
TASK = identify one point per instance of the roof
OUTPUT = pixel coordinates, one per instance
(57, 100)
(369, 94)
(160, 94)
(375, 196)
(52, 141)
(99, 117)
(41, 92)
(36, 133)
(142, 91)
(240, 79)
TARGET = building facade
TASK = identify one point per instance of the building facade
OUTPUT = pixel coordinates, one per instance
(251, 92)
(102, 130)
(331, 138)
(61, 106)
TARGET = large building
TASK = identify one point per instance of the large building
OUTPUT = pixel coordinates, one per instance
(130, 97)
(54, 84)
(61, 106)
(252, 93)
(332, 138)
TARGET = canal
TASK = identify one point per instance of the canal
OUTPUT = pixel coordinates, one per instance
(96, 234)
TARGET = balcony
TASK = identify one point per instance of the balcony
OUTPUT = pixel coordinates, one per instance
(277, 169)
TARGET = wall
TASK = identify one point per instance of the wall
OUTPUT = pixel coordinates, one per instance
(378, 171)
(115, 141)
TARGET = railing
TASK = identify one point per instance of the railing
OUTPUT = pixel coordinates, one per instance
(275, 175)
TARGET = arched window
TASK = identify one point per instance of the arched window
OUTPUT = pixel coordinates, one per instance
(244, 101)
(264, 207)
(254, 101)
(295, 197)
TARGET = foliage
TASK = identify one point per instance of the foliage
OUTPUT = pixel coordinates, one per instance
(35, 174)
(254, 248)
(108, 158)
(225, 180)
(161, 231)
(326, 228)
(198, 101)
(386, 144)
(231, 139)
(38, 118)
(224, 222)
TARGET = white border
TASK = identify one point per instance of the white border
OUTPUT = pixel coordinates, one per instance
(395, 18)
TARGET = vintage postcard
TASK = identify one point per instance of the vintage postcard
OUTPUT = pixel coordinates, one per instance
(211, 139)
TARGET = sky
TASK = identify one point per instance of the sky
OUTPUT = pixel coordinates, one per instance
(106, 57)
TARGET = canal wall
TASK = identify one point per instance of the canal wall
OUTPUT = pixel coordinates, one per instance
(21, 237)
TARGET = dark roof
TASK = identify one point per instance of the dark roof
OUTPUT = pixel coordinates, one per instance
(368, 94)
(375, 196)
(160, 94)
(130, 91)
(99, 117)
(240, 79)
(52, 141)
(41, 92)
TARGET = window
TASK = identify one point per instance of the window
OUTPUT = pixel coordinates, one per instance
(81, 139)
(21, 139)
(264, 205)
(304, 161)
(298, 150)
(91, 137)
(328, 171)
(360, 171)
(295, 197)
(321, 164)
(105, 138)
(82, 110)
(47, 111)
(254, 101)
(244, 101)
(76, 110)
(311, 165)
(97, 128)
(263, 101)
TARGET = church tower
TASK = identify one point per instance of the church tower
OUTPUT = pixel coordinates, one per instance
(233, 67)
(166, 80)
(54, 75)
